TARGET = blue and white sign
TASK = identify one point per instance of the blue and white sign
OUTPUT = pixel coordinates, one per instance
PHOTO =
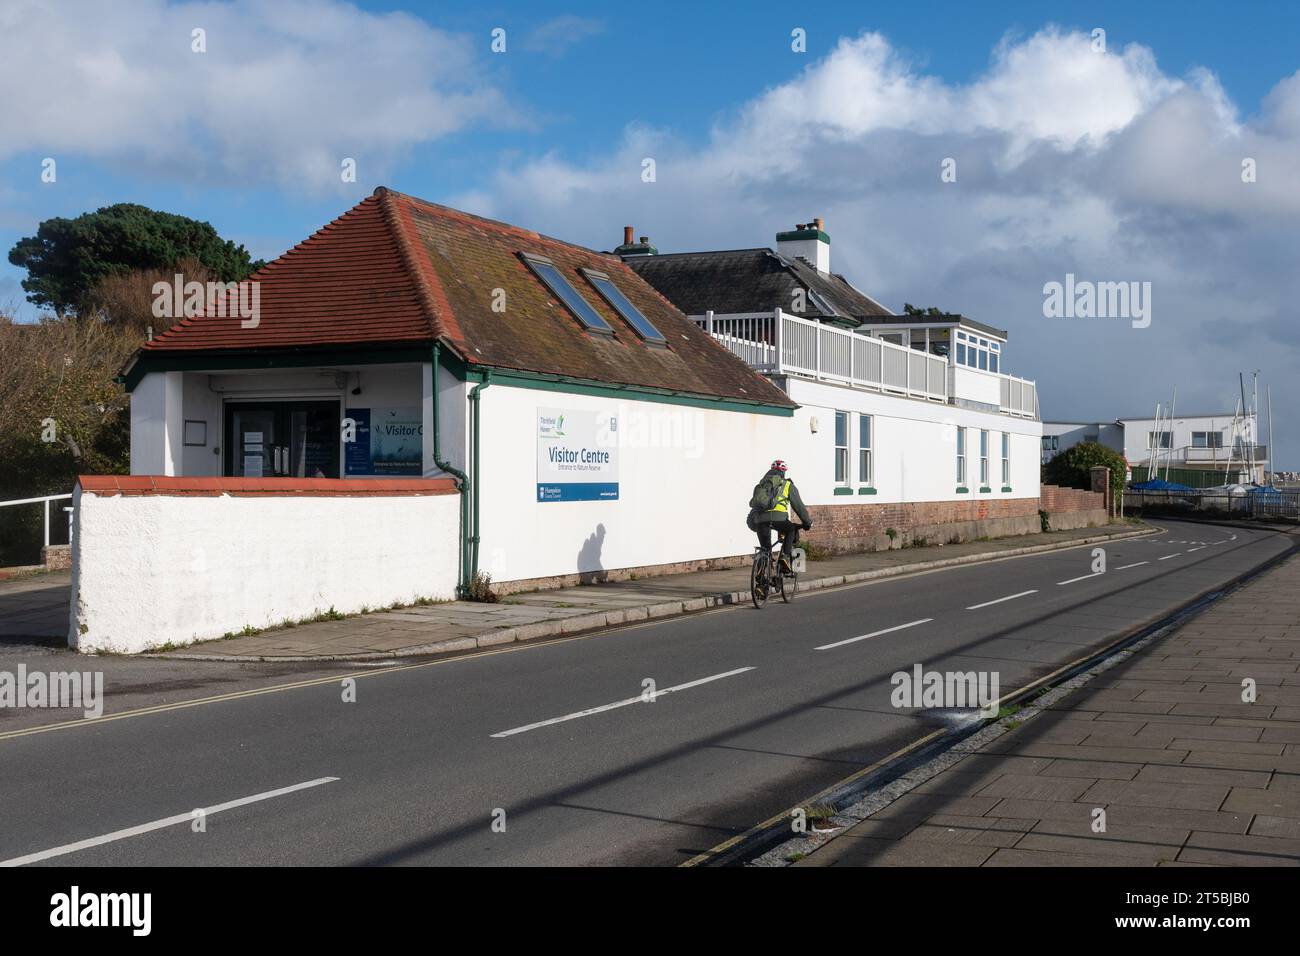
(577, 455)
(388, 442)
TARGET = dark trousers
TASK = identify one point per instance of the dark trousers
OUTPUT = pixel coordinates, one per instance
(787, 528)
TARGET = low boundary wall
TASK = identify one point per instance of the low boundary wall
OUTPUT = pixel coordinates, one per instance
(160, 561)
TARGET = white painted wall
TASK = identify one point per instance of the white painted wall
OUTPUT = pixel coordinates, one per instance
(685, 474)
(975, 386)
(915, 447)
(1059, 436)
(1137, 433)
(153, 569)
(156, 418)
(453, 410)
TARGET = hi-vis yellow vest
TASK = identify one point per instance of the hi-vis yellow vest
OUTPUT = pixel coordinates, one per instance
(783, 498)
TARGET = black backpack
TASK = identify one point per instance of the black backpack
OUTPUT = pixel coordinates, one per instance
(766, 492)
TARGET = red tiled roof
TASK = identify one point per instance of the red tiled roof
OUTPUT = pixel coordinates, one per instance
(395, 270)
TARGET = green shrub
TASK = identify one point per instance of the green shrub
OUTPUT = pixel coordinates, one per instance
(480, 588)
(814, 552)
(1071, 468)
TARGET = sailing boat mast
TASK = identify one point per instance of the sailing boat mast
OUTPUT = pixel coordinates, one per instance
(1272, 472)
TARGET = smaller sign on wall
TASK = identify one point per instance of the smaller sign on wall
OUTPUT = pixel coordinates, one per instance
(389, 442)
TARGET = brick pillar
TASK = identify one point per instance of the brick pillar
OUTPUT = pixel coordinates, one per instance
(1100, 475)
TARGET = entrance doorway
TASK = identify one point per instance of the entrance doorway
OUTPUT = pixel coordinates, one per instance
(282, 440)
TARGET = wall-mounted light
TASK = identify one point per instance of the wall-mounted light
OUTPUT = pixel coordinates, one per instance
(812, 424)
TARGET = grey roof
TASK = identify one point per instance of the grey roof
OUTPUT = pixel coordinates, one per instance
(753, 280)
(950, 318)
(1164, 416)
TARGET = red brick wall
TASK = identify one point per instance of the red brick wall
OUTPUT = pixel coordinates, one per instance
(1056, 499)
(852, 525)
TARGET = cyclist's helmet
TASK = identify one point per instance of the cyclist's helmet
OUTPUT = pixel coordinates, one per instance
(779, 465)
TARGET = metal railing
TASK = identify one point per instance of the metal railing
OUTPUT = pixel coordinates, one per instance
(780, 343)
(1255, 503)
(1019, 396)
(1235, 453)
(46, 499)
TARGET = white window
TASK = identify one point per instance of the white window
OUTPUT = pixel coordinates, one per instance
(1160, 439)
(1006, 459)
(841, 448)
(1207, 439)
(864, 450)
(984, 458)
(975, 352)
(961, 457)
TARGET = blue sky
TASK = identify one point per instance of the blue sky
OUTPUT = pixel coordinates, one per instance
(1104, 176)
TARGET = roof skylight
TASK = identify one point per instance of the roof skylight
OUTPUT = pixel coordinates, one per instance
(623, 306)
(554, 279)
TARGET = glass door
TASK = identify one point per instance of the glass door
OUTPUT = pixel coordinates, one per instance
(282, 440)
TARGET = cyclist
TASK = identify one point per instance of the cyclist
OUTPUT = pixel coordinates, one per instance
(769, 510)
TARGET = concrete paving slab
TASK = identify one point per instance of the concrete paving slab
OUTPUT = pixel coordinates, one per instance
(1186, 772)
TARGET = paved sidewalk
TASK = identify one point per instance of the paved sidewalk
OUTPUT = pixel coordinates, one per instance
(1186, 772)
(461, 625)
(34, 607)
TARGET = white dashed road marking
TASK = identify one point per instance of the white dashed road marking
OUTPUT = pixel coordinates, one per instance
(160, 824)
(639, 699)
(1081, 578)
(863, 637)
(1009, 597)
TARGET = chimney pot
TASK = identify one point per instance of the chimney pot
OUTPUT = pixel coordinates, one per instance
(820, 223)
(627, 235)
(645, 240)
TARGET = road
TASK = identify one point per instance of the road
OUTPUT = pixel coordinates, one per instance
(755, 711)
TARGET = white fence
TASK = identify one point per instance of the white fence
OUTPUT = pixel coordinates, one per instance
(42, 500)
(1019, 396)
(778, 343)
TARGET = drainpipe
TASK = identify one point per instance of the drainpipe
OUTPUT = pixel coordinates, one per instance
(476, 406)
(462, 480)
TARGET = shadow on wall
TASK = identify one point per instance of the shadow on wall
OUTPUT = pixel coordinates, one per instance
(589, 568)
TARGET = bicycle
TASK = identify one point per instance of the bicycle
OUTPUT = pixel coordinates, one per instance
(767, 575)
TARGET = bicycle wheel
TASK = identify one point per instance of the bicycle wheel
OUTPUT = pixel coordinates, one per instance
(758, 580)
(789, 584)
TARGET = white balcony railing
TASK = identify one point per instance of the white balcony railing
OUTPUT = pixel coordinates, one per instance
(778, 343)
(1200, 455)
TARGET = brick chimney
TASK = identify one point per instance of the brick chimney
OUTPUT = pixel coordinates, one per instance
(630, 248)
(807, 241)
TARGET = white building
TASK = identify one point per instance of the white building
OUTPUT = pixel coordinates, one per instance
(909, 422)
(1198, 450)
(589, 428)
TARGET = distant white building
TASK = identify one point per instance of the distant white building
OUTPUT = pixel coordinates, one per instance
(1201, 450)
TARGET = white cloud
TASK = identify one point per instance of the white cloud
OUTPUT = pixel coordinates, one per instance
(284, 93)
(1068, 161)
(557, 36)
